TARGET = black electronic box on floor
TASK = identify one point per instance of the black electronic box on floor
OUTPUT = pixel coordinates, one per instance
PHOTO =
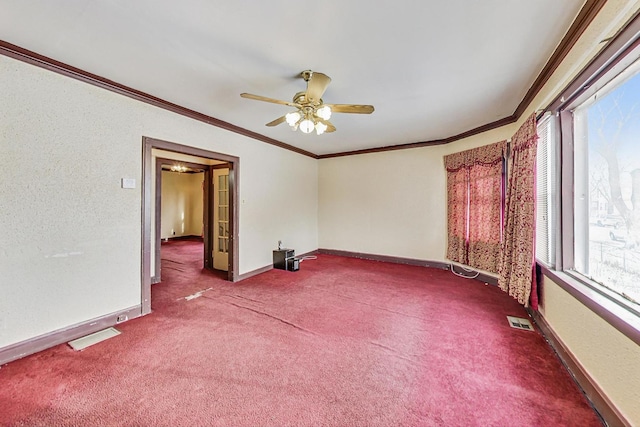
(285, 259)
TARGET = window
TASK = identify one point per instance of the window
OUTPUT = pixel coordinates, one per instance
(546, 178)
(606, 128)
(588, 184)
(475, 203)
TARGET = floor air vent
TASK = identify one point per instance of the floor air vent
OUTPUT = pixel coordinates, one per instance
(95, 338)
(520, 323)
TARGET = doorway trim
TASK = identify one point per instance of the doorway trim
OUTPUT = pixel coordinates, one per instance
(148, 144)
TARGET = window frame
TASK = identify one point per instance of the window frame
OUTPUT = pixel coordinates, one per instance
(616, 56)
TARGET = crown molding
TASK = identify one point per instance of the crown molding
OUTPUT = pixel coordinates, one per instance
(51, 64)
(484, 128)
(586, 15)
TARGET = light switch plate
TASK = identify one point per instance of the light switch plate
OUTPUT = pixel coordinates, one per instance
(128, 183)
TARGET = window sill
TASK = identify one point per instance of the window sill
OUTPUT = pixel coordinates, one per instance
(612, 311)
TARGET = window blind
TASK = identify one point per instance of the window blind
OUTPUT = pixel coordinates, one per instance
(546, 187)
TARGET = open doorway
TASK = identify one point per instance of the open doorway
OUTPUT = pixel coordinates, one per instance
(219, 214)
(192, 203)
(179, 210)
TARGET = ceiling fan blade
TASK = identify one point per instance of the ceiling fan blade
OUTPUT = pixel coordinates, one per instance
(316, 85)
(351, 108)
(330, 126)
(277, 121)
(265, 99)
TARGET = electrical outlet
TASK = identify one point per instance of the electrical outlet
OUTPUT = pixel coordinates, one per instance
(122, 318)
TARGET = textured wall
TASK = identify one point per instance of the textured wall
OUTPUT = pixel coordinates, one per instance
(612, 359)
(70, 249)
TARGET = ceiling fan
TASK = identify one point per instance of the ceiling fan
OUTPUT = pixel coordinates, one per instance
(311, 111)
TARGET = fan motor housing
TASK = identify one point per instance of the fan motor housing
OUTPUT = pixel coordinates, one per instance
(301, 98)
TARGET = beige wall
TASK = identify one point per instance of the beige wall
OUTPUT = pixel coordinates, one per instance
(394, 203)
(390, 203)
(610, 358)
(182, 211)
(70, 250)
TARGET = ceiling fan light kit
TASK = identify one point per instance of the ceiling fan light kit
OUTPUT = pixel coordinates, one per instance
(311, 111)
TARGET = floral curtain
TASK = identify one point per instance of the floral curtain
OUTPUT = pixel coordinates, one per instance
(485, 214)
(458, 201)
(474, 188)
(517, 263)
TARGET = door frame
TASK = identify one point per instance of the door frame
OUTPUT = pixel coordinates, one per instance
(233, 162)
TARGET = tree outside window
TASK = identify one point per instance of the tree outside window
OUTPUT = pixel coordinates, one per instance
(607, 185)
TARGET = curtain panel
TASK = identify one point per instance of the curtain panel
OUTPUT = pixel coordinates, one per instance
(517, 263)
(457, 215)
(485, 212)
(474, 215)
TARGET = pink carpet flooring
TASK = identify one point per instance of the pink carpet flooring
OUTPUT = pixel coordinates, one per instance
(342, 342)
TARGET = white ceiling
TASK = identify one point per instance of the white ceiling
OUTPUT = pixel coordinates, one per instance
(431, 68)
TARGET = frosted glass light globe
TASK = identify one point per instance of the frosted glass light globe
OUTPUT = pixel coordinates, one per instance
(320, 128)
(324, 112)
(306, 126)
(292, 118)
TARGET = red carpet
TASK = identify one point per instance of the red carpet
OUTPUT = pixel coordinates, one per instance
(342, 342)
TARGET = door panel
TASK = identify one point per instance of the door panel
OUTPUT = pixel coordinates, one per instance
(221, 219)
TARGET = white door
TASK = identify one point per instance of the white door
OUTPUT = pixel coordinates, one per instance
(221, 219)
